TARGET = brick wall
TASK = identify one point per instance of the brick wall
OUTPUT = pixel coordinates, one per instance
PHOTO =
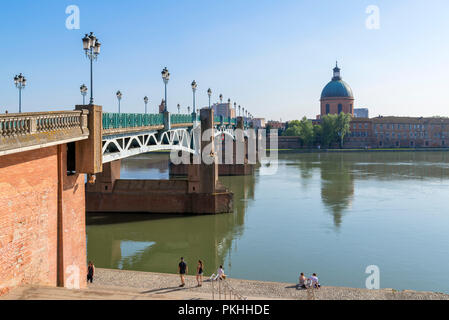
(29, 218)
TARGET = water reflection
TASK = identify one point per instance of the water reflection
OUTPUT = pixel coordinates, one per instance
(387, 205)
(156, 242)
(339, 172)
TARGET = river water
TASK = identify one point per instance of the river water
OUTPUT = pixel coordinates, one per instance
(333, 214)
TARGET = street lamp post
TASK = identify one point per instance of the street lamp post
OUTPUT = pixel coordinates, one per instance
(83, 90)
(194, 86)
(20, 83)
(119, 98)
(145, 100)
(188, 110)
(221, 98)
(179, 108)
(239, 110)
(91, 47)
(165, 78)
(209, 93)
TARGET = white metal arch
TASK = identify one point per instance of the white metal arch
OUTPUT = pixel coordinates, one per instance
(122, 146)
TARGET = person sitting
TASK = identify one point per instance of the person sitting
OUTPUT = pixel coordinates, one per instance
(302, 281)
(314, 283)
(221, 274)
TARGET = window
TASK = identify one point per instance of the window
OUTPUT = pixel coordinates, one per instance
(340, 108)
(328, 109)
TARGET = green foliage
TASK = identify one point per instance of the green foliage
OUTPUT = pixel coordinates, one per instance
(332, 130)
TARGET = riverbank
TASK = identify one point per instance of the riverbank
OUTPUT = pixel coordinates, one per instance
(166, 285)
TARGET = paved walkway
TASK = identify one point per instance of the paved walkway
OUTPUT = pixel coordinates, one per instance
(133, 285)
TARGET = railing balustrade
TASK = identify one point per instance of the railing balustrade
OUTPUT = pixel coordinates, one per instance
(31, 123)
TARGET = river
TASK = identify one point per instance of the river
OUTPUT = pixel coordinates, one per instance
(334, 214)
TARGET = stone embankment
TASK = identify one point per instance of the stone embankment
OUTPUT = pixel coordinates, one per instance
(134, 285)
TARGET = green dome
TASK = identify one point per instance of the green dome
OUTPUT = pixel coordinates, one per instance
(337, 88)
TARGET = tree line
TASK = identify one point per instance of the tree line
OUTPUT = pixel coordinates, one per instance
(331, 131)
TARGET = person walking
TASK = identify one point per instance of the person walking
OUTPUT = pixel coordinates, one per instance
(90, 272)
(199, 273)
(183, 269)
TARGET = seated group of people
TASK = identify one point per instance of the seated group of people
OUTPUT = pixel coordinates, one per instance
(311, 282)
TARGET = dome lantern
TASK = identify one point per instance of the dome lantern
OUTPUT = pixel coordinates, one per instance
(337, 75)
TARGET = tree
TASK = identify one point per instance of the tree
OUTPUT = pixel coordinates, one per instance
(306, 131)
(328, 130)
(342, 126)
(292, 131)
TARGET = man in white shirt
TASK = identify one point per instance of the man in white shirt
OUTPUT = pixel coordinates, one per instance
(314, 283)
(221, 274)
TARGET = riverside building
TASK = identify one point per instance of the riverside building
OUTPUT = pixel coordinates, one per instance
(381, 132)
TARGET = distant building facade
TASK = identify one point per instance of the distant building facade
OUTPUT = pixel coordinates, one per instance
(361, 113)
(224, 109)
(258, 123)
(276, 125)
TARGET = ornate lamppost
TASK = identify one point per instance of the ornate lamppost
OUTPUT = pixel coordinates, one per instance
(145, 100)
(179, 108)
(165, 78)
(119, 98)
(83, 90)
(91, 47)
(221, 98)
(209, 93)
(194, 86)
(20, 83)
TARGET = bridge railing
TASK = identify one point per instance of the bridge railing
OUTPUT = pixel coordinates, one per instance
(181, 118)
(136, 120)
(131, 120)
(31, 123)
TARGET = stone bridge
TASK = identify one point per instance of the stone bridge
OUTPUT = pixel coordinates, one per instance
(44, 160)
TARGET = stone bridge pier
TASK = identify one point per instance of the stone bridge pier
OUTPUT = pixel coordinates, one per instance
(233, 155)
(200, 193)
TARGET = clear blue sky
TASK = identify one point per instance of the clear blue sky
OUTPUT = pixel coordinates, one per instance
(272, 57)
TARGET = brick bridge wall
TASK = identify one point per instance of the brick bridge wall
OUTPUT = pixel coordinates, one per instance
(31, 198)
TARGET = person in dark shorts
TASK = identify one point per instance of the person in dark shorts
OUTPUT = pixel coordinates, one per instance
(183, 269)
(90, 272)
(199, 273)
